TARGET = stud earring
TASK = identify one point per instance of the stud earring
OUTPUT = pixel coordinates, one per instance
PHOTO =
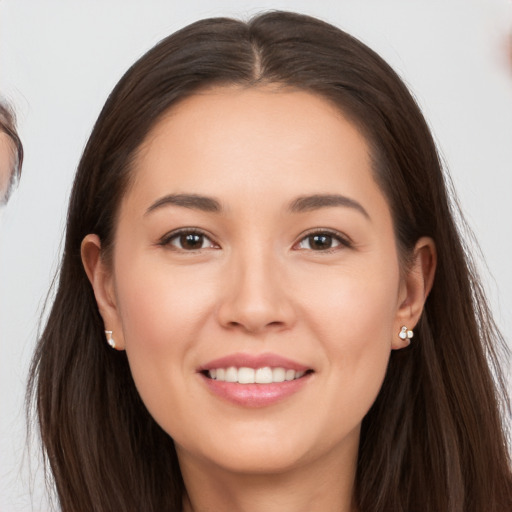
(405, 334)
(110, 340)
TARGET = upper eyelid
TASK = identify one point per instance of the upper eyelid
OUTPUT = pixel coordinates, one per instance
(329, 231)
(165, 239)
(343, 238)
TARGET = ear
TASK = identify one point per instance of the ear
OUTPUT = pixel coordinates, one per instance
(102, 282)
(415, 288)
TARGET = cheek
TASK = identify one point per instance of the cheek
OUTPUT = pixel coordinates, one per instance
(356, 307)
(354, 317)
(161, 315)
(158, 305)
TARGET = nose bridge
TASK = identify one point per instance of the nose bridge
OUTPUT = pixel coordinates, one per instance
(255, 296)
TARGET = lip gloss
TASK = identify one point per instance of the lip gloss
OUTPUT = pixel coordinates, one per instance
(255, 394)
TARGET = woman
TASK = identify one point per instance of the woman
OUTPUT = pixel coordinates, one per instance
(264, 302)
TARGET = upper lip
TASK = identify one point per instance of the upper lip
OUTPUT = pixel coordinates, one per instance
(255, 361)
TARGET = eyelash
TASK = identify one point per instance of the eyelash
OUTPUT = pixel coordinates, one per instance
(342, 240)
(167, 239)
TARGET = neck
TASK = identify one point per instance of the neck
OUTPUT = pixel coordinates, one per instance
(321, 486)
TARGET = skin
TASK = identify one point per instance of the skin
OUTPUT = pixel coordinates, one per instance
(6, 163)
(256, 286)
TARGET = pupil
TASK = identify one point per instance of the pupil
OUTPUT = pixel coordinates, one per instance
(318, 242)
(191, 241)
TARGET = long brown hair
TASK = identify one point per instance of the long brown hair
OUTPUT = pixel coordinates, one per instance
(434, 439)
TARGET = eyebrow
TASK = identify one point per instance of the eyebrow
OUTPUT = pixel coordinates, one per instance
(192, 201)
(317, 201)
(299, 205)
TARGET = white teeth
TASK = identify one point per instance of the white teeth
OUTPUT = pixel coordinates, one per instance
(278, 374)
(263, 375)
(231, 374)
(244, 375)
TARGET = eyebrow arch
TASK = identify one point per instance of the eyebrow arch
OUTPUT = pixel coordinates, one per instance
(317, 201)
(193, 201)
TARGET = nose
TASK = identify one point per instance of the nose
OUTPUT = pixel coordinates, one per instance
(255, 297)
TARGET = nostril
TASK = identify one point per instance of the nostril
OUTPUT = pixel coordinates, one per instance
(254, 326)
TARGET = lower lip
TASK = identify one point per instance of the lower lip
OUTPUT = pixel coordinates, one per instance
(256, 395)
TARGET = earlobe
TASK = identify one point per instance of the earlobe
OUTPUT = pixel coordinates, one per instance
(101, 280)
(416, 287)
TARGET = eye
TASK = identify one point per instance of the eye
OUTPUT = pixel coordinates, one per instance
(322, 241)
(188, 240)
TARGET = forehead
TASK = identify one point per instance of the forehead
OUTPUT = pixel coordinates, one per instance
(238, 133)
(253, 111)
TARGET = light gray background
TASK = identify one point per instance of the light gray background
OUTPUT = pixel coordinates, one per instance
(59, 60)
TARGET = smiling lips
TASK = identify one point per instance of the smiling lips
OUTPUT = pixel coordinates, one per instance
(254, 381)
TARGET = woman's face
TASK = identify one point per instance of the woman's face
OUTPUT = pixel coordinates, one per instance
(255, 246)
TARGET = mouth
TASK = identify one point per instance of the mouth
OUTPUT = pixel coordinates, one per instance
(255, 380)
(262, 375)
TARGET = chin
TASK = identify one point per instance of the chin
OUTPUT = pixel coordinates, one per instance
(271, 454)
(258, 461)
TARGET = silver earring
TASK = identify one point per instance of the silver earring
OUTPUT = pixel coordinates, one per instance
(110, 340)
(405, 334)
